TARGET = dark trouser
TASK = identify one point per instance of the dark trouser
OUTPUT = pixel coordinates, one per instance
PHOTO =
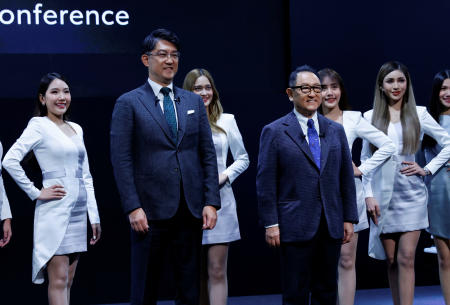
(310, 267)
(179, 238)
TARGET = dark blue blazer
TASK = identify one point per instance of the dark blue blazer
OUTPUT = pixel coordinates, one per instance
(150, 168)
(292, 191)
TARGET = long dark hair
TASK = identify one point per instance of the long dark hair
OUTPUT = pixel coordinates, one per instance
(334, 76)
(46, 80)
(435, 105)
(408, 116)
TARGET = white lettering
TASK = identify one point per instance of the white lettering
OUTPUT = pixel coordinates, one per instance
(11, 16)
(52, 17)
(88, 15)
(22, 12)
(36, 12)
(104, 17)
(76, 15)
(122, 15)
(50, 14)
(61, 16)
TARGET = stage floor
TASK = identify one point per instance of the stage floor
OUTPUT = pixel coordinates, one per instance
(425, 295)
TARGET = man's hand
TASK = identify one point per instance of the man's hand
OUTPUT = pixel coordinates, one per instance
(7, 232)
(209, 217)
(273, 236)
(373, 209)
(138, 220)
(348, 232)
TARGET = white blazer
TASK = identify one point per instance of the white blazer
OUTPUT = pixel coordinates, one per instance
(234, 141)
(5, 211)
(381, 182)
(356, 126)
(55, 153)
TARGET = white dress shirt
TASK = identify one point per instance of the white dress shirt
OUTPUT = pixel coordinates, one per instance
(304, 123)
(157, 91)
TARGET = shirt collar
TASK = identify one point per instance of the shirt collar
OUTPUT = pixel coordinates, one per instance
(157, 87)
(304, 120)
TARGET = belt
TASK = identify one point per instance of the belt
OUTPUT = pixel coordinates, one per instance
(61, 174)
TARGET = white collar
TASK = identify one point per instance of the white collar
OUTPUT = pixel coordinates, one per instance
(157, 87)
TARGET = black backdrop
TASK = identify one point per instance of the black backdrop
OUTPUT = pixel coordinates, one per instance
(250, 47)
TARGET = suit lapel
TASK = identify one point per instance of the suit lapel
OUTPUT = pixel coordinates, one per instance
(295, 132)
(181, 107)
(324, 139)
(148, 99)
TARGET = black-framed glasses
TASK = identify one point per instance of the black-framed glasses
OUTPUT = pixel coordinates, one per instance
(165, 55)
(307, 89)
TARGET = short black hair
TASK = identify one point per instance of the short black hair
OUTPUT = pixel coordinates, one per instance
(150, 41)
(304, 68)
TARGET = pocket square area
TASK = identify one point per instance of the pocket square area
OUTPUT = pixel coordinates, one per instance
(190, 111)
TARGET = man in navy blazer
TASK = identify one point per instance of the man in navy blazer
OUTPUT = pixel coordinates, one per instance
(306, 193)
(166, 171)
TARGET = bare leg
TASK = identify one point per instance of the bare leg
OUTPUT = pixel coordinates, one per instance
(73, 262)
(443, 250)
(405, 259)
(347, 272)
(217, 274)
(58, 276)
(204, 299)
(390, 245)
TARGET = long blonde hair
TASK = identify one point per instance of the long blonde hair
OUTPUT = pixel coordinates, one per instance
(215, 107)
(408, 115)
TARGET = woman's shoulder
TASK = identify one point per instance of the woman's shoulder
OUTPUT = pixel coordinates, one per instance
(75, 126)
(368, 114)
(225, 119)
(352, 115)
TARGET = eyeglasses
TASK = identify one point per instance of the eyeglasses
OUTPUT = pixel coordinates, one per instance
(307, 89)
(165, 55)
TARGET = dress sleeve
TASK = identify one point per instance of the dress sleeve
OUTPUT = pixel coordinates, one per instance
(89, 185)
(371, 134)
(366, 154)
(238, 151)
(28, 141)
(5, 211)
(434, 130)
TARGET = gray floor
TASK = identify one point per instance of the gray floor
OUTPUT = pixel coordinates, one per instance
(428, 295)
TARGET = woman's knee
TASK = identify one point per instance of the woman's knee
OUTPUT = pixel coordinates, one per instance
(347, 262)
(406, 259)
(217, 272)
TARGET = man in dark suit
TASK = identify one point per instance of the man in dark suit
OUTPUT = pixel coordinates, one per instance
(306, 193)
(166, 172)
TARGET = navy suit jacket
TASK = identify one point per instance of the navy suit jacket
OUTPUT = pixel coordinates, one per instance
(292, 191)
(150, 168)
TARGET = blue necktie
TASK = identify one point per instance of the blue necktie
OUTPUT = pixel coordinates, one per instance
(169, 113)
(314, 145)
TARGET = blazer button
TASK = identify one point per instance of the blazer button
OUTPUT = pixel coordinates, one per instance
(175, 169)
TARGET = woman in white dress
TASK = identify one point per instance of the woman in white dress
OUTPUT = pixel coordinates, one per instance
(397, 196)
(335, 107)
(67, 195)
(226, 136)
(439, 187)
(5, 211)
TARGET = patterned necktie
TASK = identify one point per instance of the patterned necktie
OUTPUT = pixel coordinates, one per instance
(314, 145)
(169, 113)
